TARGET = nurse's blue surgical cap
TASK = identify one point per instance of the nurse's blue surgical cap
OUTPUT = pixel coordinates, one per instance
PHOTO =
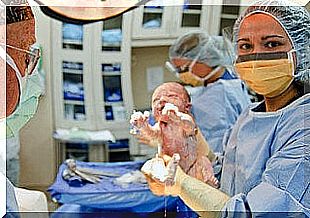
(295, 20)
(199, 46)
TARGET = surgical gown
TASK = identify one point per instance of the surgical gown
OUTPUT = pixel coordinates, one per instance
(216, 108)
(266, 166)
(11, 203)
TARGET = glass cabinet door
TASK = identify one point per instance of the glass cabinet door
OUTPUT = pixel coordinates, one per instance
(153, 20)
(111, 35)
(229, 13)
(72, 36)
(222, 15)
(77, 151)
(114, 109)
(152, 17)
(111, 73)
(73, 91)
(191, 13)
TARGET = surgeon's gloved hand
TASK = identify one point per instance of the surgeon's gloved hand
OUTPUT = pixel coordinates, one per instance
(143, 131)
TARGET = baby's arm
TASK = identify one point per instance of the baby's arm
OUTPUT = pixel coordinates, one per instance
(185, 121)
(143, 131)
(202, 170)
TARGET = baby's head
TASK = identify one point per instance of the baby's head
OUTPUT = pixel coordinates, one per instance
(170, 92)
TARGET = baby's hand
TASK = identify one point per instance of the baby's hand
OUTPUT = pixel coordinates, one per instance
(171, 115)
(138, 121)
(143, 131)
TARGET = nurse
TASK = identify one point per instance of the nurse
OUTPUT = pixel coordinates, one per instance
(265, 163)
(218, 97)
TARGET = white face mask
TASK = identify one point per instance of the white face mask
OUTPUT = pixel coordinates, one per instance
(22, 80)
(190, 78)
(203, 79)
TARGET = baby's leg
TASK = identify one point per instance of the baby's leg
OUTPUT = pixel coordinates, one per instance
(203, 171)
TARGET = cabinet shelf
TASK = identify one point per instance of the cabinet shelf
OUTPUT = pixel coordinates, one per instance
(111, 44)
(116, 73)
(229, 16)
(191, 11)
(73, 102)
(72, 41)
(153, 11)
(76, 150)
(118, 103)
(72, 71)
(119, 150)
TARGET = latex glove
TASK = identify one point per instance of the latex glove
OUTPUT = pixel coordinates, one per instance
(143, 131)
(202, 170)
(159, 187)
(203, 148)
(200, 197)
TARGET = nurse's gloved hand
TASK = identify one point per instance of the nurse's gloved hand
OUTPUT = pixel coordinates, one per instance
(161, 188)
(196, 194)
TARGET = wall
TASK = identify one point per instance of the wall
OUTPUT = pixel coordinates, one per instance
(37, 164)
(142, 58)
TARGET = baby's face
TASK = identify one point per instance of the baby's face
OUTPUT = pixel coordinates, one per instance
(172, 93)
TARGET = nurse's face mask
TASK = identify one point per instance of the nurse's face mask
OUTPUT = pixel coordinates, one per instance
(268, 74)
(186, 75)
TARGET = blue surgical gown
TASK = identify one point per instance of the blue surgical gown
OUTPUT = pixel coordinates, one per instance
(216, 108)
(266, 167)
(11, 203)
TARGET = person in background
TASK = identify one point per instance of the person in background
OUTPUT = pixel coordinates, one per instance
(218, 97)
(265, 162)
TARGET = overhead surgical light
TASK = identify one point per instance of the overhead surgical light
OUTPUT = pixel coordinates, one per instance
(86, 11)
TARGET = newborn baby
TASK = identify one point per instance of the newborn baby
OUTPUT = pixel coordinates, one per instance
(175, 131)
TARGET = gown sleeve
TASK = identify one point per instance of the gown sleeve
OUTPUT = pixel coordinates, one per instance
(284, 188)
